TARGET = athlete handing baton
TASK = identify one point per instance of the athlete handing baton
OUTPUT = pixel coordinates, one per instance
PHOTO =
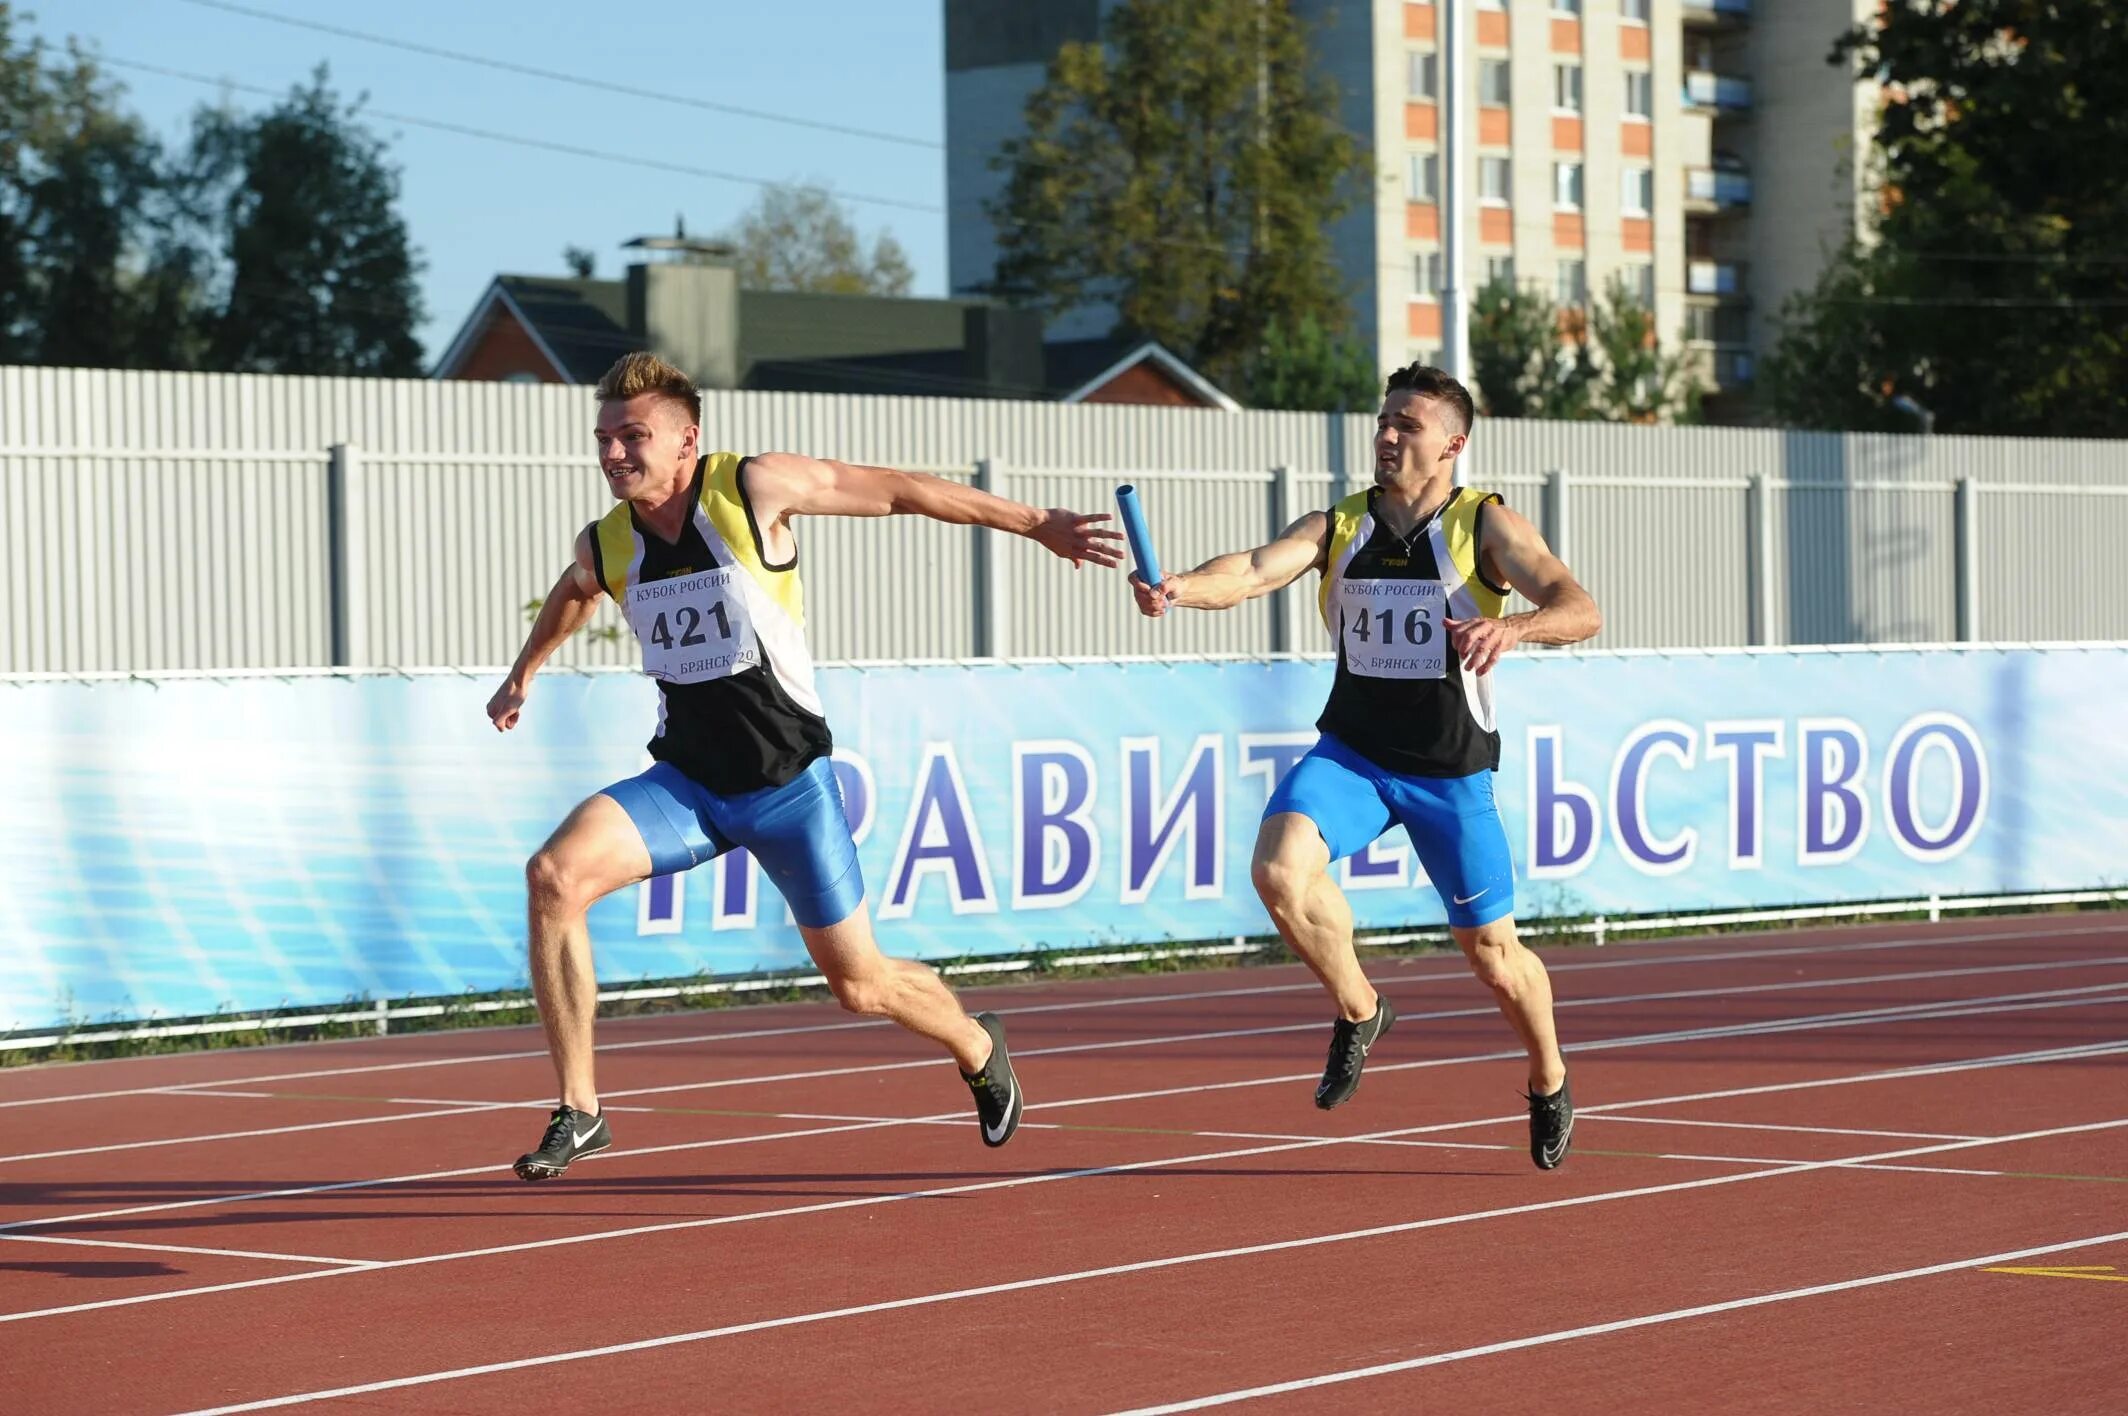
(700, 551)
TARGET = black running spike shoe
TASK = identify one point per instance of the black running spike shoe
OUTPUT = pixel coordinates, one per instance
(571, 1135)
(998, 1102)
(1551, 1127)
(1349, 1042)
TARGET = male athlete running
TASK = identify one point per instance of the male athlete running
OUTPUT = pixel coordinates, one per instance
(1416, 573)
(701, 557)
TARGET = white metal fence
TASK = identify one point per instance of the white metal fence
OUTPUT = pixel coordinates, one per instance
(175, 521)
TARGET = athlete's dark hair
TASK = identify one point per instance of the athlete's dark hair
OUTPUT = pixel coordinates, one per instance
(633, 375)
(1431, 382)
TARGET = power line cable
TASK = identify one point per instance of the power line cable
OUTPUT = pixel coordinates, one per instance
(656, 164)
(559, 77)
(571, 149)
(2048, 258)
(1978, 302)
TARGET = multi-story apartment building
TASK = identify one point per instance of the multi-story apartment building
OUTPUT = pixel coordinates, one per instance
(1704, 151)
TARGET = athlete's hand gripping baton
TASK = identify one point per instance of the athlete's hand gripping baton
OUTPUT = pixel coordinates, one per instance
(1141, 539)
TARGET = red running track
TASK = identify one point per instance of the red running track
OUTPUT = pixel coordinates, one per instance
(1805, 1167)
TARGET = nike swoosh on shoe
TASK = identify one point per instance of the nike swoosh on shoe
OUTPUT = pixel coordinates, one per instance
(1004, 1121)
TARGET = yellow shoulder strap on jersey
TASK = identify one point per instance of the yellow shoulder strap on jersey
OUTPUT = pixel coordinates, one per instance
(616, 550)
(1459, 528)
(727, 511)
(1345, 519)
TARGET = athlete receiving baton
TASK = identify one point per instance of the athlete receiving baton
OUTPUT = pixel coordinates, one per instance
(1416, 574)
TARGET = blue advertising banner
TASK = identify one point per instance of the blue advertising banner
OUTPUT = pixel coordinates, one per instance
(193, 844)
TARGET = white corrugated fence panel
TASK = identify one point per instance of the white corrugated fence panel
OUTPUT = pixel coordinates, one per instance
(1050, 609)
(159, 521)
(138, 560)
(2051, 565)
(889, 586)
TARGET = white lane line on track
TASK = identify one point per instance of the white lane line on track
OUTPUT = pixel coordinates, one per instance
(2072, 1053)
(1809, 1024)
(1245, 1251)
(1768, 1126)
(184, 1249)
(491, 1169)
(262, 1131)
(260, 1096)
(865, 1201)
(2024, 934)
(1927, 1011)
(199, 1089)
(1545, 1339)
(1687, 1156)
(2002, 1059)
(1892, 1013)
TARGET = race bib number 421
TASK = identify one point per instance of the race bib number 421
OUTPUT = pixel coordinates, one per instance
(1392, 628)
(693, 627)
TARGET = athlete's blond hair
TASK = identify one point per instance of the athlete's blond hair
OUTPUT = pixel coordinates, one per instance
(634, 375)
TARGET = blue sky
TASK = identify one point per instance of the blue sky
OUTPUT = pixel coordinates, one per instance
(475, 207)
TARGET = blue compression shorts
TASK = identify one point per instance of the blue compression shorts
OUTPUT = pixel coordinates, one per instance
(1453, 823)
(797, 831)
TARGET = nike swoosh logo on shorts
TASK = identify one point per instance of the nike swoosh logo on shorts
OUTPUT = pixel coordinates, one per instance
(1006, 1119)
(1466, 899)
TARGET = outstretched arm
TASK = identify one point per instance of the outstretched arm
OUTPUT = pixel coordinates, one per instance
(782, 485)
(567, 609)
(1512, 552)
(1226, 581)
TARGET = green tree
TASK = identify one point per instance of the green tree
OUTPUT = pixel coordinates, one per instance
(1186, 172)
(1528, 360)
(798, 237)
(89, 274)
(90, 205)
(1831, 363)
(1532, 359)
(320, 271)
(1312, 370)
(1514, 350)
(1636, 382)
(21, 100)
(1994, 287)
(26, 124)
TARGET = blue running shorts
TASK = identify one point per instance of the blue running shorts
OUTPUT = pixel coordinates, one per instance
(1453, 823)
(797, 831)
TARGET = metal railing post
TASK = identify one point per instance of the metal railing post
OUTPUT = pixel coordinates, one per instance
(1758, 557)
(1967, 496)
(1285, 507)
(346, 589)
(987, 584)
(1555, 511)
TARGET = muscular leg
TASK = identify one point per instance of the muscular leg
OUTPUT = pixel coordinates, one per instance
(866, 981)
(1524, 992)
(591, 854)
(1292, 875)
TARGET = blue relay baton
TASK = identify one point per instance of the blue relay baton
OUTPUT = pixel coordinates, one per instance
(1141, 540)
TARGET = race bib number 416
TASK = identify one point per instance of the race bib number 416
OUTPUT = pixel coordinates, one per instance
(1392, 628)
(693, 627)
